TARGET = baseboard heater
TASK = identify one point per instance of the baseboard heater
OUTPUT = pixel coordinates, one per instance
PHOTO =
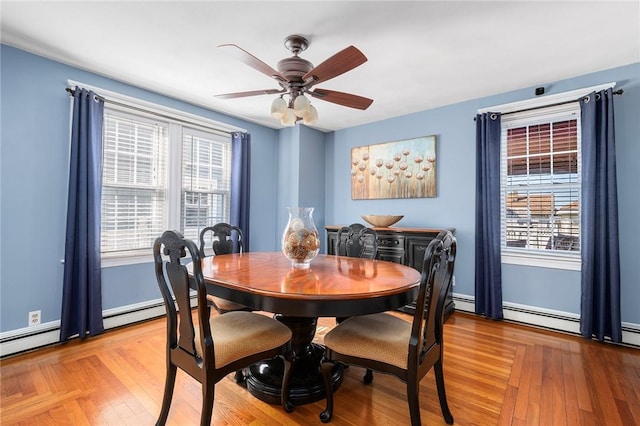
(35, 337)
(546, 318)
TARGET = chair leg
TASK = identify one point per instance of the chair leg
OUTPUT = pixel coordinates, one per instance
(368, 377)
(327, 414)
(208, 392)
(169, 384)
(239, 377)
(287, 405)
(442, 395)
(414, 401)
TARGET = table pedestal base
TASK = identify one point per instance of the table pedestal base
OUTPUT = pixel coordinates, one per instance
(264, 379)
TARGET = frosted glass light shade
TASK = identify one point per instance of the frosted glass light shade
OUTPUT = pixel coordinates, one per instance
(289, 119)
(278, 108)
(301, 106)
(312, 116)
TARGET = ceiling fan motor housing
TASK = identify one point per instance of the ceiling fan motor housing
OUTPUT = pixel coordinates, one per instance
(294, 68)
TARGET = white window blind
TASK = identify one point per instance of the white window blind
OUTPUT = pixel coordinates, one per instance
(206, 166)
(134, 186)
(540, 181)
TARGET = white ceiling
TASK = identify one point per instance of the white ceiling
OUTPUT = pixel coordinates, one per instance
(422, 54)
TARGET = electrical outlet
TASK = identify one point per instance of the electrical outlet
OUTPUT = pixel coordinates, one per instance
(453, 281)
(34, 318)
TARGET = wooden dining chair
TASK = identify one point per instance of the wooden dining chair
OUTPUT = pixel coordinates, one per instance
(214, 346)
(391, 345)
(221, 238)
(357, 240)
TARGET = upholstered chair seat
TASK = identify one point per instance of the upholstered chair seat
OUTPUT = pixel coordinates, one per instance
(382, 336)
(240, 334)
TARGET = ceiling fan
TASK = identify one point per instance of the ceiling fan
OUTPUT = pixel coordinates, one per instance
(296, 77)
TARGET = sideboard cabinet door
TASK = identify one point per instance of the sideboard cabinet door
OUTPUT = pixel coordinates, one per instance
(416, 246)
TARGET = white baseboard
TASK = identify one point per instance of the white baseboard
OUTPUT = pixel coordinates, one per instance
(29, 338)
(547, 318)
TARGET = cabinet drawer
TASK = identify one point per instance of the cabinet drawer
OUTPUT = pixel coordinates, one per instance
(391, 241)
(391, 248)
(396, 256)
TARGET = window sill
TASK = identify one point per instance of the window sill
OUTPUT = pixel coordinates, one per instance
(571, 263)
(133, 259)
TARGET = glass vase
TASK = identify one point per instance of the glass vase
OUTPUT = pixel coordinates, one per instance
(300, 240)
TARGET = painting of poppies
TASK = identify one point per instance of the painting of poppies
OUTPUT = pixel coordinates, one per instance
(399, 169)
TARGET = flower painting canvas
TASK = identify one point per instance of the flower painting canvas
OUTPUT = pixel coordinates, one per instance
(400, 169)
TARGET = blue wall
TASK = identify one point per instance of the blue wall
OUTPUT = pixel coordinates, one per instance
(455, 204)
(34, 167)
(293, 166)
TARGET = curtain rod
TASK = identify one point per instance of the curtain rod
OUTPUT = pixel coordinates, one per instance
(616, 92)
(168, 117)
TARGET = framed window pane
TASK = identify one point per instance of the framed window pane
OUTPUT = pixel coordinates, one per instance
(206, 176)
(541, 184)
(134, 182)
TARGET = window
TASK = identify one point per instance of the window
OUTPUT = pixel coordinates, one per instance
(540, 183)
(206, 165)
(159, 174)
(134, 182)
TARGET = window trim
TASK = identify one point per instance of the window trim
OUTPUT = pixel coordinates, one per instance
(546, 260)
(143, 108)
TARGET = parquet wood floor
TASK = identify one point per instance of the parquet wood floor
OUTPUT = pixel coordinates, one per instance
(496, 373)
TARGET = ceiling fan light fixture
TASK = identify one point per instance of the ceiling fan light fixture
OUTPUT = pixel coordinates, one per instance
(301, 106)
(289, 118)
(278, 108)
(311, 117)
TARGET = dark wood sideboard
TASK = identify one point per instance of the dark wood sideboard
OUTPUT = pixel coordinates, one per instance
(399, 245)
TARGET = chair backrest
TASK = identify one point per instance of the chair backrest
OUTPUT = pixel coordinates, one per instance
(169, 253)
(223, 240)
(356, 240)
(428, 321)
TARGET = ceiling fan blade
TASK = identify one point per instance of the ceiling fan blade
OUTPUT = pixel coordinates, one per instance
(341, 98)
(252, 61)
(343, 61)
(249, 93)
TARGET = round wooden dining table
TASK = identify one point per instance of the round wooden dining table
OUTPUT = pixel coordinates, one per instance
(333, 286)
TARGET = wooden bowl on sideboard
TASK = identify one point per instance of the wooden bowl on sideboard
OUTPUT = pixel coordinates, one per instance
(381, 221)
